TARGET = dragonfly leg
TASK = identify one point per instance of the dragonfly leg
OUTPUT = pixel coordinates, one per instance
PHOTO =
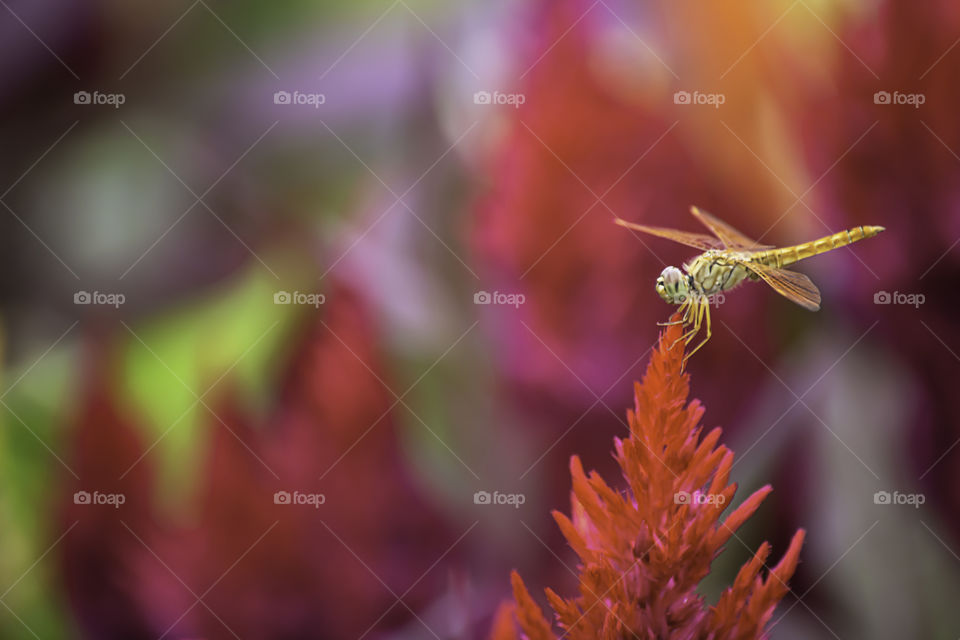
(704, 311)
(697, 320)
(684, 338)
(696, 316)
(670, 323)
(681, 311)
(687, 336)
(684, 320)
(690, 334)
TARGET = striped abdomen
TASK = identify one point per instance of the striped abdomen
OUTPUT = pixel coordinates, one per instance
(788, 255)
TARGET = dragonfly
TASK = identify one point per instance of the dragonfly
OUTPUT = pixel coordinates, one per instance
(730, 258)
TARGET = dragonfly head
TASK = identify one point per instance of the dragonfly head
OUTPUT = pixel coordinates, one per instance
(672, 285)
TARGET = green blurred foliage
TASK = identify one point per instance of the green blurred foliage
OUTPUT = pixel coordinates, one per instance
(177, 363)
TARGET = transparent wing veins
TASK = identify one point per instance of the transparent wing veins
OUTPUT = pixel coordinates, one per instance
(793, 286)
(696, 240)
(731, 238)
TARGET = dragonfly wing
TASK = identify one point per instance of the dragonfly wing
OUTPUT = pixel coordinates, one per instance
(731, 238)
(793, 286)
(695, 240)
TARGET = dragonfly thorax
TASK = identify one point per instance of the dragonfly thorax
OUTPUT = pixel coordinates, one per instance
(713, 272)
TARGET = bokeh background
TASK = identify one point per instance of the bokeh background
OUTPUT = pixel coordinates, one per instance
(151, 225)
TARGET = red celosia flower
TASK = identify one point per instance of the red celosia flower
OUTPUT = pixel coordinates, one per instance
(644, 550)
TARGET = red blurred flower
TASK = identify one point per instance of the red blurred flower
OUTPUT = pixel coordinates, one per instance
(98, 554)
(262, 568)
(541, 230)
(903, 174)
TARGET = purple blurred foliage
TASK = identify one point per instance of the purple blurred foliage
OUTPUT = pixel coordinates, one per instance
(904, 175)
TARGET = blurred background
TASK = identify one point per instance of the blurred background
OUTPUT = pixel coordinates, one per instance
(286, 288)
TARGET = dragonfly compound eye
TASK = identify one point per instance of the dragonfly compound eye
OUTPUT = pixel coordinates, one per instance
(671, 284)
(671, 277)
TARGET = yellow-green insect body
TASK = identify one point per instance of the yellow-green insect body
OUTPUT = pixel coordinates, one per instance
(717, 271)
(729, 258)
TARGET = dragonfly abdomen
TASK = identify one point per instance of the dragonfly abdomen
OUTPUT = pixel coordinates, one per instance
(787, 256)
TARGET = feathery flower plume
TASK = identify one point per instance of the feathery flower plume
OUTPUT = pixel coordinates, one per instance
(644, 550)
